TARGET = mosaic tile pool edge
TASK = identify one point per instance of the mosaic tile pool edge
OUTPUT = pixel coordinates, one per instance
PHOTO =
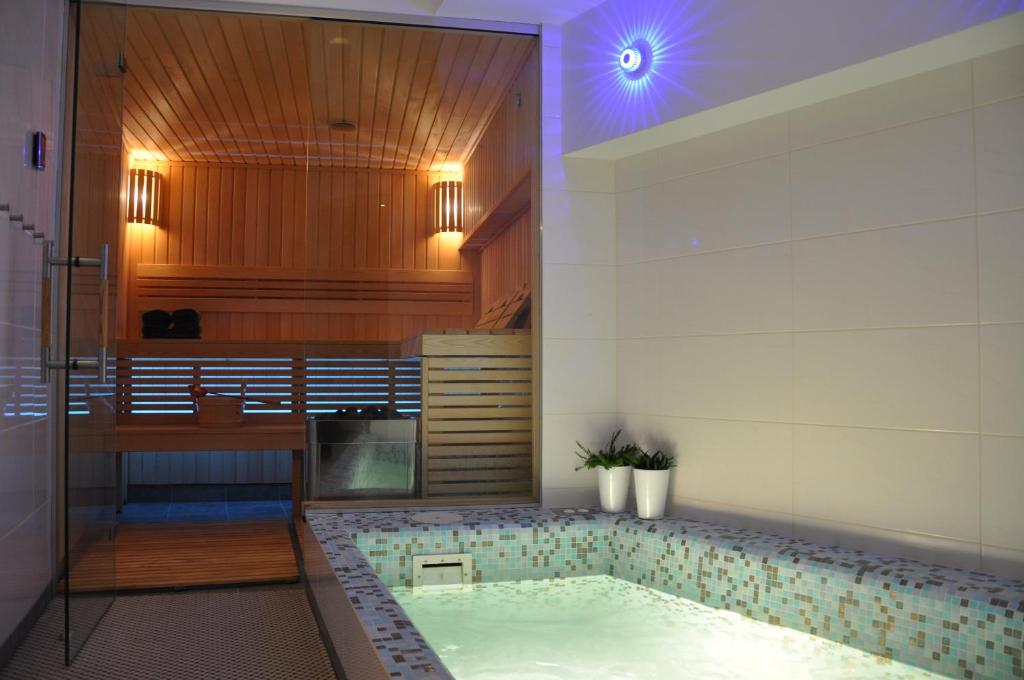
(950, 621)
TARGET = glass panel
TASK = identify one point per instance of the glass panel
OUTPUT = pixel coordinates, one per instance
(417, 136)
(96, 45)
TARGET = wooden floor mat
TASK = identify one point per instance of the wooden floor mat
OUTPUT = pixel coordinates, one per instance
(201, 554)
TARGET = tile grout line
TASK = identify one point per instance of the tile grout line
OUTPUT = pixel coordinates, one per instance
(815, 237)
(792, 326)
(815, 331)
(881, 428)
(977, 283)
(789, 142)
(971, 107)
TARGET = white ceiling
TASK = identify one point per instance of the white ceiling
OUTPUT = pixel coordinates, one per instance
(514, 11)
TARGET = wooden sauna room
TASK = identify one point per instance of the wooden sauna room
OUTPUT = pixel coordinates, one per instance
(317, 220)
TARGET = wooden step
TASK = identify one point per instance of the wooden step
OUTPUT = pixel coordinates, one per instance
(185, 555)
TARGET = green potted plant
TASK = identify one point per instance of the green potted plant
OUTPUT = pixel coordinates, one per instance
(651, 472)
(614, 465)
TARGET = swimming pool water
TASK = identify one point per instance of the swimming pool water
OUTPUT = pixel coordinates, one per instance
(600, 627)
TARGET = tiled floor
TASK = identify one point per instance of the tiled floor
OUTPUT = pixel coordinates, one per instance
(245, 633)
(150, 513)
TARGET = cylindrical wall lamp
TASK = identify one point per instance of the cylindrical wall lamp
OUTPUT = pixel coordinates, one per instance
(448, 207)
(144, 193)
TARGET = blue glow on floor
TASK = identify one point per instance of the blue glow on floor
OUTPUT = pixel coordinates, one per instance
(220, 511)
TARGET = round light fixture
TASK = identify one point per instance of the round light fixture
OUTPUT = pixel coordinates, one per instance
(636, 59)
(631, 59)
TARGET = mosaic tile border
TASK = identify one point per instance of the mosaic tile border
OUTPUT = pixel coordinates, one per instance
(951, 621)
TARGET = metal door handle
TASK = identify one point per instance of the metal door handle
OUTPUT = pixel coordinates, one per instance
(70, 363)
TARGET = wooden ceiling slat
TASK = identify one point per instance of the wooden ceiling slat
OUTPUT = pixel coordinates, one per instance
(234, 39)
(206, 79)
(222, 59)
(449, 82)
(369, 76)
(162, 85)
(408, 58)
(418, 92)
(517, 56)
(266, 82)
(333, 81)
(196, 85)
(391, 50)
(294, 120)
(508, 59)
(449, 117)
(447, 60)
(228, 88)
(350, 73)
(150, 124)
(316, 69)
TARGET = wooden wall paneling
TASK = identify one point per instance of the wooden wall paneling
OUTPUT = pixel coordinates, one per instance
(265, 219)
(505, 264)
(507, 61)
(507, 153)
(508, 148)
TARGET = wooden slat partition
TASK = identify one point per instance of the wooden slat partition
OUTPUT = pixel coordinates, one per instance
(477, 415)
(154, 390)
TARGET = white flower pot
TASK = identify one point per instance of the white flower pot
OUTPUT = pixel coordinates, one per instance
(651, 491)
(613, 486)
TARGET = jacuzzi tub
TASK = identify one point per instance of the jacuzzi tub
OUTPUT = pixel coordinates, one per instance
(948, 621)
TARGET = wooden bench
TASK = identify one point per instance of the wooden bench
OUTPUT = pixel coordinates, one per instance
(474, 388)
(155, 409)
(507, 312)
(247, 289)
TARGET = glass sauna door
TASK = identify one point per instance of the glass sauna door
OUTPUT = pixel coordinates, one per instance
(419, 380)
(83, 365)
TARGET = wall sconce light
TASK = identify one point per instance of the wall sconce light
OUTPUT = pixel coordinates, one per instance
(635, 60)
(630, 59)
(144, 193)
(448, 207)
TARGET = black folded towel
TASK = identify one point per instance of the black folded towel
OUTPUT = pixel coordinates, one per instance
(157, 318)
(185, 317)
(181, 323)
(156, 323)
(186, 333)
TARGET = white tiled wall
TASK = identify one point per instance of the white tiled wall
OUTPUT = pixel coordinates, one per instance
(30, 54)
(822, 314)
(578, 277)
